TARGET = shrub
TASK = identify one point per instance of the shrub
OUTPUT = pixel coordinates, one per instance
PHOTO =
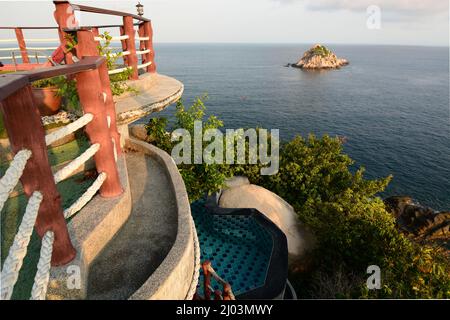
(352, 227)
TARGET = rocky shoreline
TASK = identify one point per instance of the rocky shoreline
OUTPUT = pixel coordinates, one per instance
(420, 223)
(319, 57)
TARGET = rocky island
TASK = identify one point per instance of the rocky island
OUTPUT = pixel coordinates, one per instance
(319, 57)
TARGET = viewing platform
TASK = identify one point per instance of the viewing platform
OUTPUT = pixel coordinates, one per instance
(98, 213)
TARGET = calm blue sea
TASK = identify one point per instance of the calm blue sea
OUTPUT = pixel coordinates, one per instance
(391, 102)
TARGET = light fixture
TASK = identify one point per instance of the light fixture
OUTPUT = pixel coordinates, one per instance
(140, 9)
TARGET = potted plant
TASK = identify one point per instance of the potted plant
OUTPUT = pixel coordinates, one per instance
(46, 96)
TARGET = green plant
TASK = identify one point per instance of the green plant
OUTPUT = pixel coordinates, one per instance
(118, 80)
(352, 227)
(66, 88)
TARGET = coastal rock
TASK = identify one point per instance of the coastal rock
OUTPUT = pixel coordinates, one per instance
(319, 57)
(139, 131)
(300, 239)
(419, 222)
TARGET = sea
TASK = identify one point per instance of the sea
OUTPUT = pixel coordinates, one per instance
(391, 103)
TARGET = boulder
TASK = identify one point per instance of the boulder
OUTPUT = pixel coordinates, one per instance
(419, 222)
(139, 131)
(300, 239)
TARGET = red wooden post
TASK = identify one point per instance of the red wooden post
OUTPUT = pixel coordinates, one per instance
(124, 45)
(90, 91)
(148, 32)
(131, 45)
(89, 48)
(37, 175)
(22, 45)
(65, 18)
(206, 279)
(95, 32)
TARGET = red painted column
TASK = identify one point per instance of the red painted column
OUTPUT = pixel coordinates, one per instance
(124, 46)
(65, 18)
(89, 48)
(90, 91)
(131, 45)
(22, 45)
(148, 31)
(37, 175)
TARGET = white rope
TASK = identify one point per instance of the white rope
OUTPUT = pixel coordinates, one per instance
(144, 65)
(143, 51)
(8, 40)
(66, 130)
(65, 172)
(126, 53)
(6, 58)
(42, 276)
(18, 249)
(142, 38)
(86, 197)
(194, 283)
(12, 175)
(118, 38)
(118, 70)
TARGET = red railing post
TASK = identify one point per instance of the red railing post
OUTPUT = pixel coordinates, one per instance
(90, 91)
(131, 46)
(22, 45)
(124, 45)
(37, 175)
(65, 18)
(150, 57)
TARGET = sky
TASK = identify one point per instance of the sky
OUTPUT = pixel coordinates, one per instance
(398, 22)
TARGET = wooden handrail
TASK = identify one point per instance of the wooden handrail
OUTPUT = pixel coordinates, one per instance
(84, 8)
(10, 83)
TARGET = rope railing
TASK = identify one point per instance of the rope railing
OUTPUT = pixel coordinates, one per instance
(68, 129)
(12, 175)
(39, 290)
(65, 172)
(18, 249)
(86, 197)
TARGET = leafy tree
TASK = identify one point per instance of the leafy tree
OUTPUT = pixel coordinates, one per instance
(352, 227)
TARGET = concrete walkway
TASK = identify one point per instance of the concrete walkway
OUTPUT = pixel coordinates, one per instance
(144, 241)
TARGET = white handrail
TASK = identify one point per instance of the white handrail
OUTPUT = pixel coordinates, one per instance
(142, 38)
(144, 65)
(119, 70)
(117, 38)
(143, 51)
(65, 172)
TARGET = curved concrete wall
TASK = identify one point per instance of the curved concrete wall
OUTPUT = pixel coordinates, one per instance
(172, 279)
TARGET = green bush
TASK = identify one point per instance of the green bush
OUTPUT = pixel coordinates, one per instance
(352, 227)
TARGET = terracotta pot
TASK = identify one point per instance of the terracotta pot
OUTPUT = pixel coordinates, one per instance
(47, 101)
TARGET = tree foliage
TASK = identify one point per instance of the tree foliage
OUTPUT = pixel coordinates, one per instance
(352, 227)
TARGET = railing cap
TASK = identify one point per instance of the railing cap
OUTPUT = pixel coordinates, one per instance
(11, 82)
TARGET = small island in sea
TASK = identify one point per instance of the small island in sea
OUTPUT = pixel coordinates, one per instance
(319, 57)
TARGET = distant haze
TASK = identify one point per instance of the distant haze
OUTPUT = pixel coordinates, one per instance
(402, 22)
